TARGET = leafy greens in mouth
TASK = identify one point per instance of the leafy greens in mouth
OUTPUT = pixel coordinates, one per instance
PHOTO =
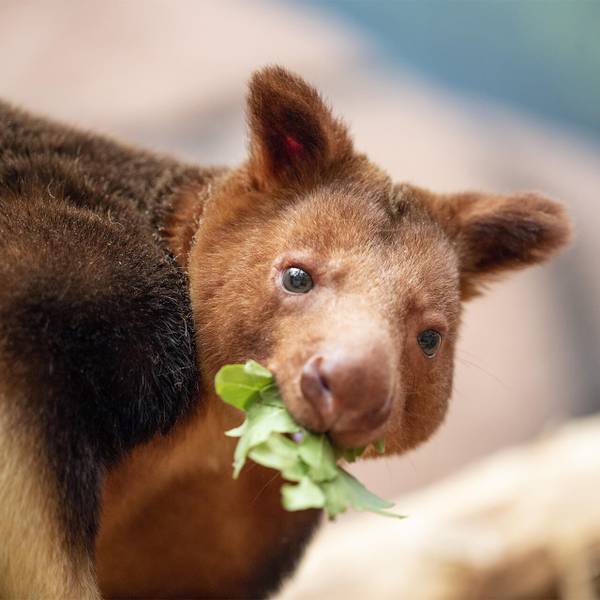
(270, 437)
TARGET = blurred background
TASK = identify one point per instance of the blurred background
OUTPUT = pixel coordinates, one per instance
(502, 96)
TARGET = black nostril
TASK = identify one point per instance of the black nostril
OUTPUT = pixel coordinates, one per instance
(311, 381)
(324, 382)
(316, 390)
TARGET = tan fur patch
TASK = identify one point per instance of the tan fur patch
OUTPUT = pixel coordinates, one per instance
(33, 562)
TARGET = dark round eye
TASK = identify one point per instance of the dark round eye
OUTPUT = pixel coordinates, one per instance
(296, 280)
(429, 340)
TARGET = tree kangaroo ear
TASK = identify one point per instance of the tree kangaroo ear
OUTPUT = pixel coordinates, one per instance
(493, 234)
(293, 136)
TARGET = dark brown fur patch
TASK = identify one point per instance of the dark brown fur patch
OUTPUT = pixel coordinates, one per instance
(93, 309)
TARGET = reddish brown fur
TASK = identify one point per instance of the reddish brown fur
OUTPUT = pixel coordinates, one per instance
(493, 233)
(388, 262)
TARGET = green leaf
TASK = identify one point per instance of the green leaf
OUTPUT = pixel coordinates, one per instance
(360, 497)
(346, 491)
(380, 446)
(336, 499)
(239, 385)
(311, 461)
(303, 495)
(295, 472)
(270, 395)
(317, 453)
(256, 370)
(277, 452)
(237, 431)
(350, 454)
(280, 453)
(261, 421)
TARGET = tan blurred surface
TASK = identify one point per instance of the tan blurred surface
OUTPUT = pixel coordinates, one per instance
(521, 525)
(171, 75)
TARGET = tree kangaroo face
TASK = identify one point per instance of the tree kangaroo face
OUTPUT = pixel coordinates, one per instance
(347, 286)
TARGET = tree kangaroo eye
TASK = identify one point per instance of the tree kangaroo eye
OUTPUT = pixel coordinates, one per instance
(296, 280)
(429, 340)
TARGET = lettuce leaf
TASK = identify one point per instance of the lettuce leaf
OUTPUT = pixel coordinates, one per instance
(270, 437)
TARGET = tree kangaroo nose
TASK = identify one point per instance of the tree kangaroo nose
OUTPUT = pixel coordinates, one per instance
(348, 389)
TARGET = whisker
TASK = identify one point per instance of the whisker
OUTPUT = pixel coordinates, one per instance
(251, 465)
(457, 393)
(467, 352)
(264, 487)
(494, 377)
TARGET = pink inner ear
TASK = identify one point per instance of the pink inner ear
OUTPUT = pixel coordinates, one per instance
(292, 145)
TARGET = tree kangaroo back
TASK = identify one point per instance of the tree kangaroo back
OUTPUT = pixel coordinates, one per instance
(97, 349)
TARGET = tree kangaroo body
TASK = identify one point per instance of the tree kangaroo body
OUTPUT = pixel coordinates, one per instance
(126, 281)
